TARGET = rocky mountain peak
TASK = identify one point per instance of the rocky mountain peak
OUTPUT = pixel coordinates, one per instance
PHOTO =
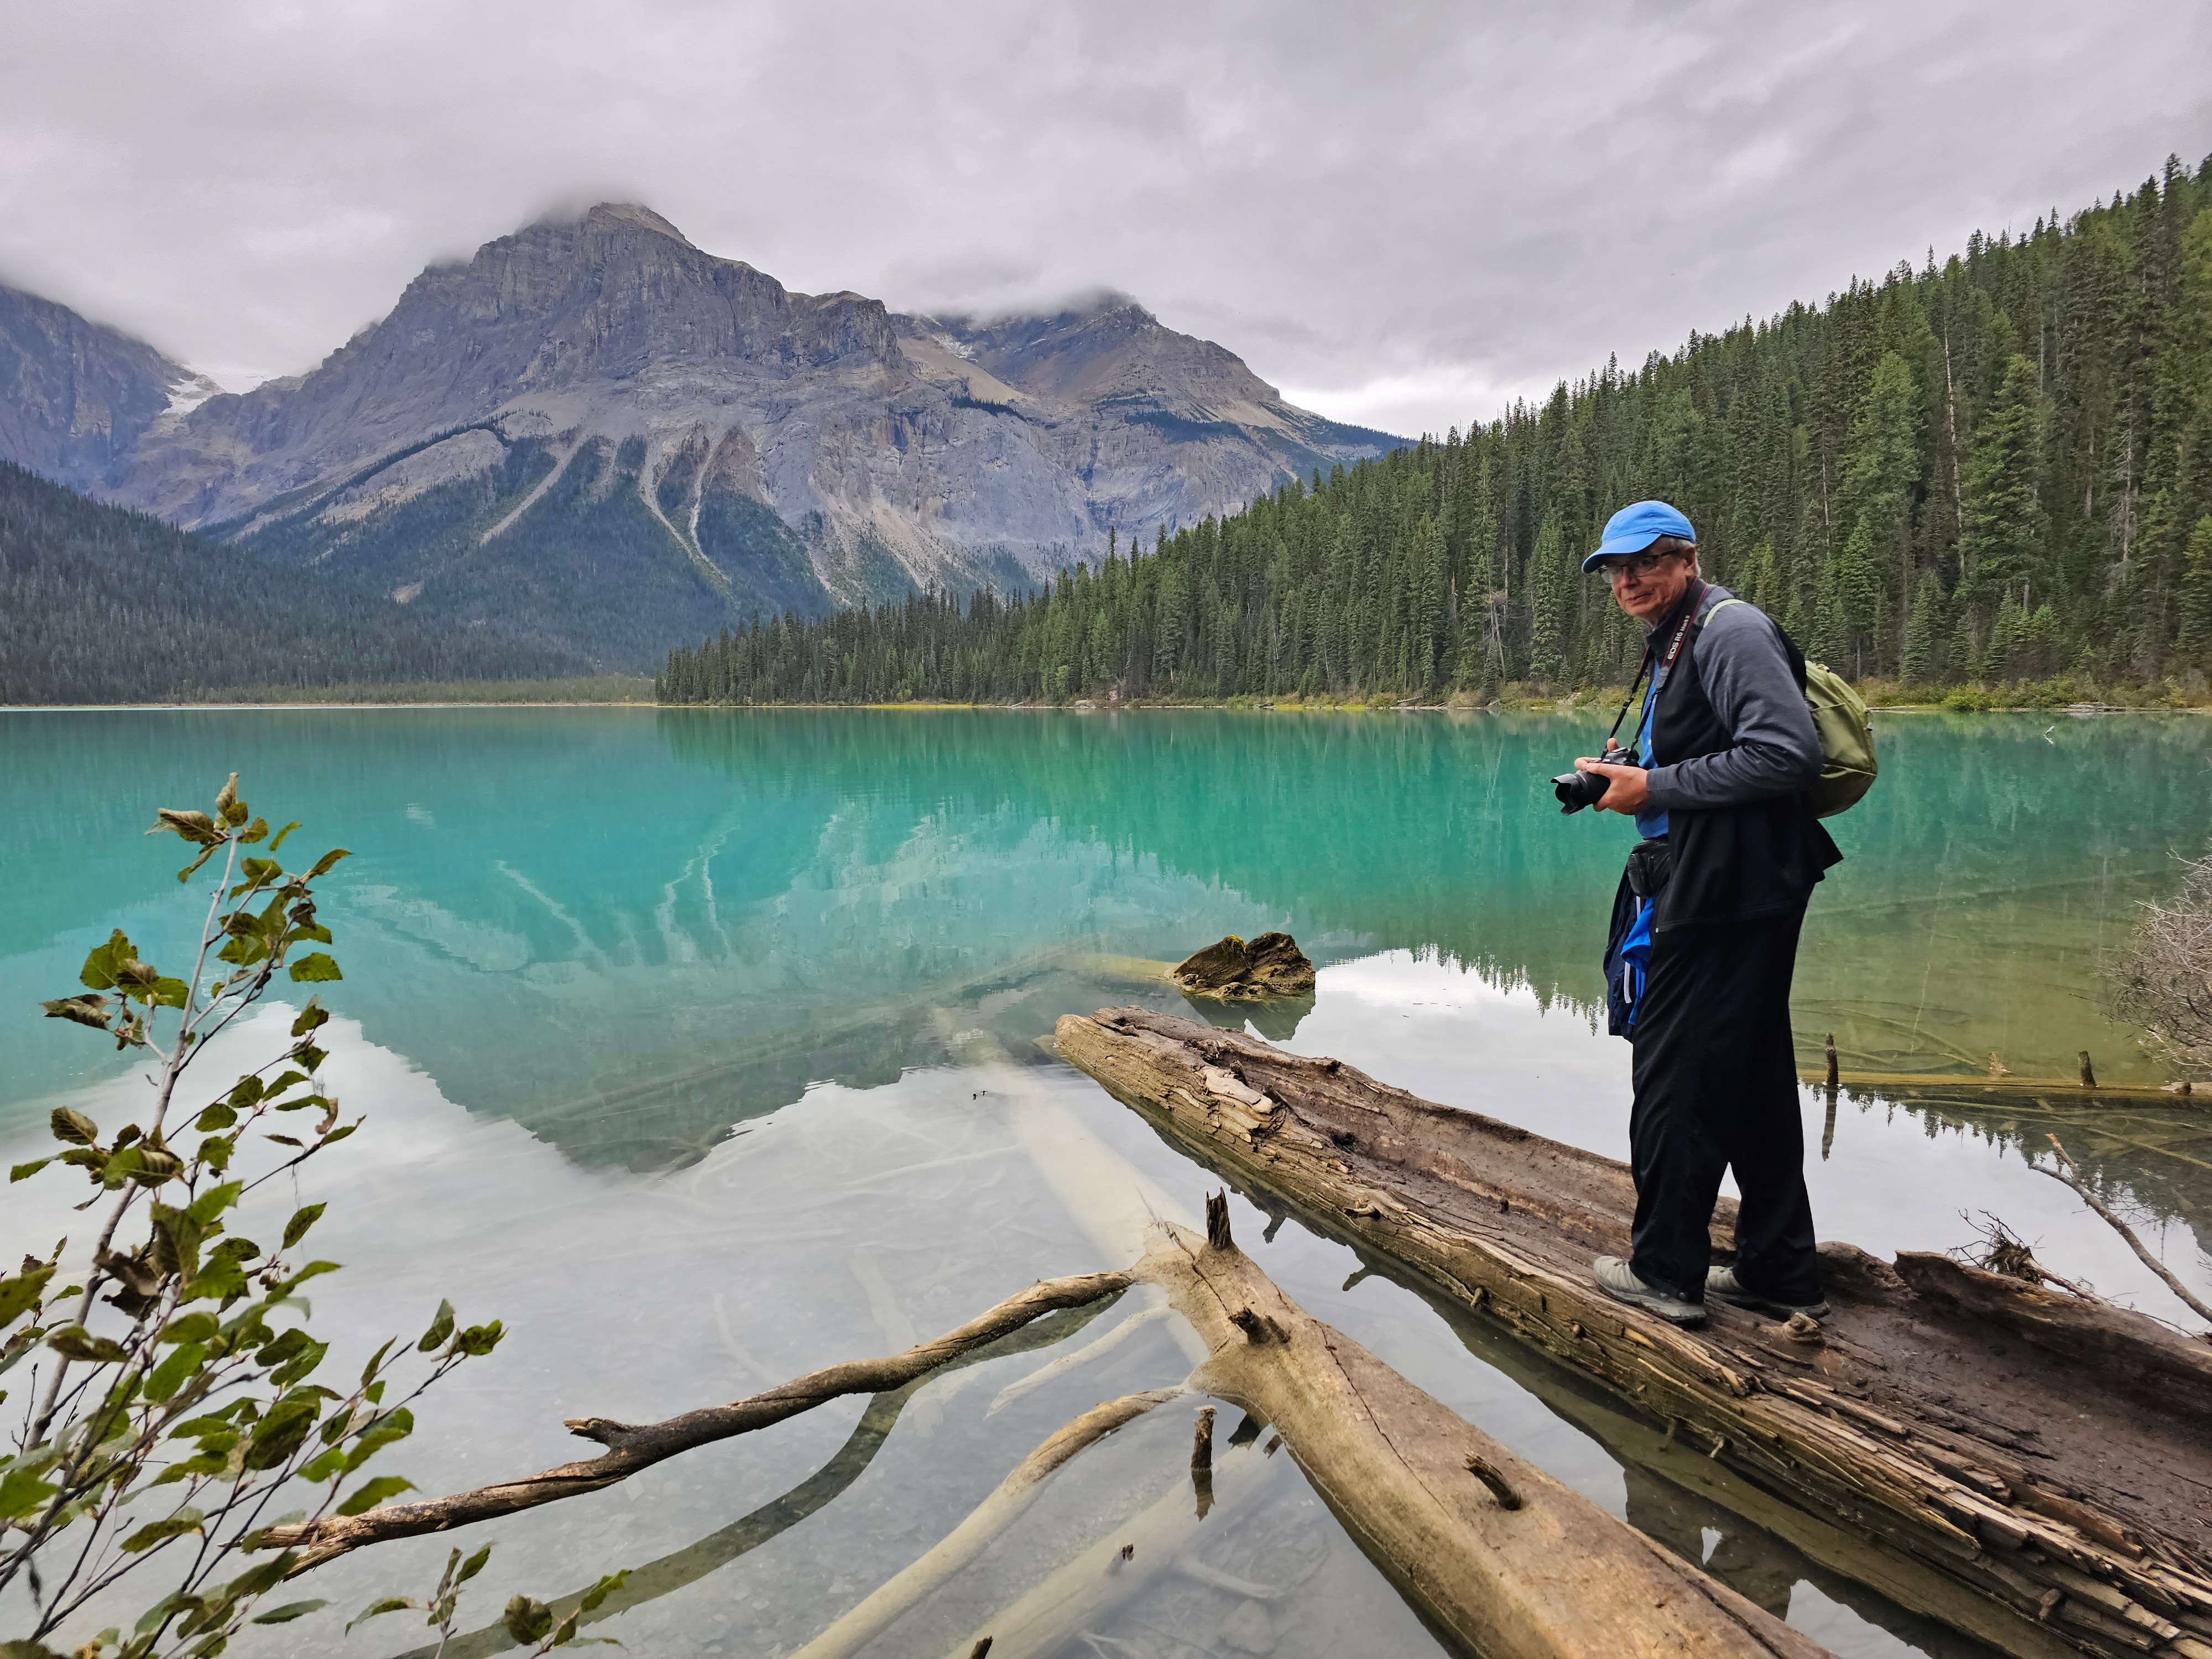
(607, 215)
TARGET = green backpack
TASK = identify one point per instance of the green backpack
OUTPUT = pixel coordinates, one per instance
(1839, 716)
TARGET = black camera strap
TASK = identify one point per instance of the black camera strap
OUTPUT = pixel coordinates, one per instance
(1692, 600)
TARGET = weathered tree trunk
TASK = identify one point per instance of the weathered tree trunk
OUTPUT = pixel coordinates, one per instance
(2046, 1454)
(1490, 1548)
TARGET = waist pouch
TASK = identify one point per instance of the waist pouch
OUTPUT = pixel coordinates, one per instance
(1628, 941)
(1649, 863)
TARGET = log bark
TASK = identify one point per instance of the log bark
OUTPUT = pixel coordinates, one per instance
(2048, 1458)
(1492, 1550)
(632, 1447)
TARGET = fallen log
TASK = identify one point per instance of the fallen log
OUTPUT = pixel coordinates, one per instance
(1492, 1550)
(2047, 1455)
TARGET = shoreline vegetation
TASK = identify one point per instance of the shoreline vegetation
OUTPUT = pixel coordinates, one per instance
(2061, 693)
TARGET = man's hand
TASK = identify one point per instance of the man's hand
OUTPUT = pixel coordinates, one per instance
(1625, 791)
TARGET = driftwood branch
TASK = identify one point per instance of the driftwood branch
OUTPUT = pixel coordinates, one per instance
(884, 1607)
(633, 1447)
(2072, 1176)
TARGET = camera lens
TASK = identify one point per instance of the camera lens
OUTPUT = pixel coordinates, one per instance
(1576, 790)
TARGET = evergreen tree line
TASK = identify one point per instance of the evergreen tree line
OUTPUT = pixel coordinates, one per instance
(102, 605)
(1993, 469)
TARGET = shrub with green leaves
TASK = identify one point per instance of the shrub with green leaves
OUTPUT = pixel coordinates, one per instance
(175, 1393)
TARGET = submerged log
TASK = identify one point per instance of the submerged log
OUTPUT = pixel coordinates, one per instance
(2046, 1454)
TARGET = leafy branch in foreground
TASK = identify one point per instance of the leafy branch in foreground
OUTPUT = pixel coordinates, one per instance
(526, 1620)
(173, 1392)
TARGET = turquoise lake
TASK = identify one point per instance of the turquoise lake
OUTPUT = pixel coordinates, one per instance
(707, 1047)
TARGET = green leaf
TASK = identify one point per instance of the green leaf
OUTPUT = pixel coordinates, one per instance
(211, 1204)
(73, 1126)
(376, 1362)
(393, 1425)
(383, 1604)
(278, 841)
(315, 968)
(220, 1281)
(25, 1171)
(370, 1493)
(168, 992)
(21, 1490)
(599, 1592)
(526, 1620)
(282, 1431)
(166, 1378)
(312, 1270)
(441, 1329)
(296, 1228)
(312, 1015)
(228, 804)
(217, 1116)
(289, 1611)
(86, 1009)
(323, 864)
(104, 962)
(190, 1328)
(174, 1526)
(75, 1342)
(474, 1565)
(195, 827)
(18, 1294)
(480, 1340)
(257, 830)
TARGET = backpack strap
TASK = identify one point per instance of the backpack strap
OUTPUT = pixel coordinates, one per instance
(1789, 648)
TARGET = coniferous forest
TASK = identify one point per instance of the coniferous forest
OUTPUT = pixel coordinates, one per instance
(1991, 469)
(98, 604)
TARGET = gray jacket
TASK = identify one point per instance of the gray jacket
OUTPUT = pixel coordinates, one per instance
(1744, 673)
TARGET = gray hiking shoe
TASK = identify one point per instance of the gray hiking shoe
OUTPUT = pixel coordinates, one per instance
(1618, 1280)
(1721, 1282)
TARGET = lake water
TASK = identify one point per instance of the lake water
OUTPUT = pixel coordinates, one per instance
(704, 1048)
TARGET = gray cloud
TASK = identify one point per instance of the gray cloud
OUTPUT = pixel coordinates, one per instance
(1402, 218)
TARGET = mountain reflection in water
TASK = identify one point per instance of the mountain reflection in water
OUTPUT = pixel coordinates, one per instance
(608, 940)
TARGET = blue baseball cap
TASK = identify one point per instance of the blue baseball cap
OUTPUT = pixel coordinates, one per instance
(1635, 528)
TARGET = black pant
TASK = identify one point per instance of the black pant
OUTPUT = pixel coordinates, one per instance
(1716, 1074)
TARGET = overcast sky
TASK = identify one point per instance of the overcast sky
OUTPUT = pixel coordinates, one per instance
(1403, 216)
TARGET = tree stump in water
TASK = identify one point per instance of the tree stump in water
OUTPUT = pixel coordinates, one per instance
(1271, 965)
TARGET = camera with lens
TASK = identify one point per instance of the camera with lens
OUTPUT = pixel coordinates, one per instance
(1576, 790)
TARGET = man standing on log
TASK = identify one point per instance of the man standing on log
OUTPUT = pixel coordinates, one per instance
(1704, 933)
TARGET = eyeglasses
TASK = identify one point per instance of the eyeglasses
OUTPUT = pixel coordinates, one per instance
(1641, 564)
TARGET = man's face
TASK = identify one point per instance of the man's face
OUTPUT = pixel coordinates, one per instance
(1648, 584)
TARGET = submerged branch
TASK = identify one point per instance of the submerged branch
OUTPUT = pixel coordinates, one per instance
(881, 1609)
(633, 1447)
(2072, 1176)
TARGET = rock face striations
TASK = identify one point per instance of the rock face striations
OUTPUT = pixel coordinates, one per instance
(75, 396)
(595, 435)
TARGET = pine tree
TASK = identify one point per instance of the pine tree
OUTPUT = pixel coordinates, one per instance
(2193, 645)
(2001, 539)
(1927, 636)
(1547, 632)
